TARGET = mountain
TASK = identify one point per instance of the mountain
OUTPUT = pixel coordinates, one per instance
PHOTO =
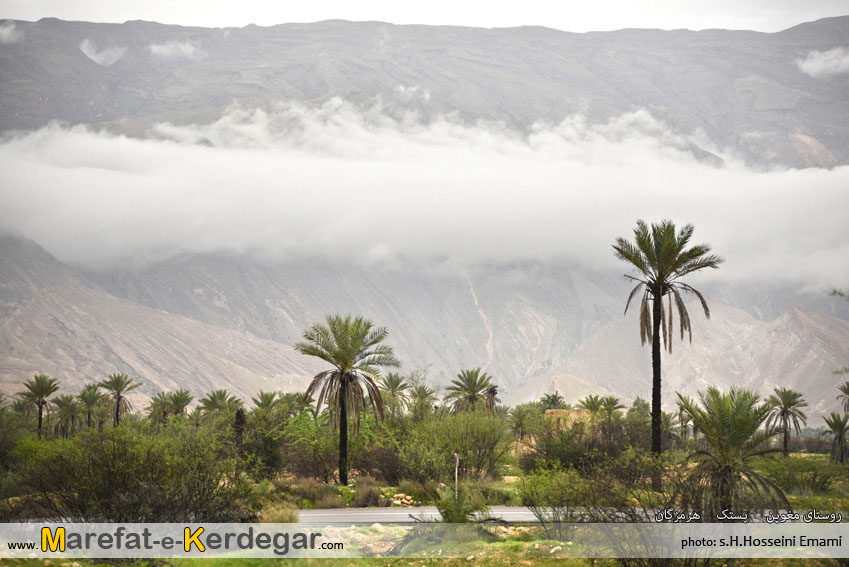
(61, 324)
(217, 321)
(744, 91)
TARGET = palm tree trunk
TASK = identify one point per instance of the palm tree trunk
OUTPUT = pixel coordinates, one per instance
(88, 419)
(117, 411)
(343, 432)
(40, 407)
(786, 438)
(656, 426)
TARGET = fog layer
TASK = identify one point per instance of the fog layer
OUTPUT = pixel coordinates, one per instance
(338, 181)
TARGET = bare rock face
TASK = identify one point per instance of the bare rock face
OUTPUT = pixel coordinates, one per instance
(744, 90)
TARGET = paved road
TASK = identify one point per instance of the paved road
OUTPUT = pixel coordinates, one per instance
(348, 516)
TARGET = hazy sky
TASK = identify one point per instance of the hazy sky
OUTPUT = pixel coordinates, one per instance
(761, 15)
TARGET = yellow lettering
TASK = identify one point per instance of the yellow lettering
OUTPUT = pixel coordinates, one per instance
(189, 538)
(48, 539)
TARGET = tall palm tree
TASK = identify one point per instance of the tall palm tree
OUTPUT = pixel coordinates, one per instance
(839, 425)
(786, 410)
(732, 428)
(178, 401)
(352, 346)
(467, 389)
(662, 258)
(118, 385)
(90, 396)
(844, 395)
(37, 391)
(553, 401)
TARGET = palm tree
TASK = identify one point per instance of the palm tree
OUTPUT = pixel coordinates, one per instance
(491, 399)
(786, 409)
(352, 346)
(178, 401)
(592, 403)
(610, 405)
(219, 401)
(839, 425)
(295, 402)
(670, 434)
(90, 396)
(422, 401)
(393, 392)
(467, 389)
(662, 258)
(553, 401)
(844, 395)
(69, 412)
(157, 409)
(265, 400)
(118, 385)
(37, 391)
(525, 419)
(731, 425)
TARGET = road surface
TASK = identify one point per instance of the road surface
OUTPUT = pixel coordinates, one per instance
(349, 516)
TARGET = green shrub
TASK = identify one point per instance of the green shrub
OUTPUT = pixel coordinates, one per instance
(800, 475)
(124, 475)
(459, 506)
(555, 496)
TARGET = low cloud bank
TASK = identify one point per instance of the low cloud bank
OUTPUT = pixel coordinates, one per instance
(177, 50)
(103, 57)
(825, 64)
(337, 181)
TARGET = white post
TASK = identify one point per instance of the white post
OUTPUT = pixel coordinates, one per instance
(456, 473)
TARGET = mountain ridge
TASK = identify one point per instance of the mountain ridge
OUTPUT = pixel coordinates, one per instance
(531, 328)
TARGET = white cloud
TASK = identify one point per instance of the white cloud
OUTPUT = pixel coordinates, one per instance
(340, 181)
(177, 50)
(9, 33)
(103, 57)
(824, 64)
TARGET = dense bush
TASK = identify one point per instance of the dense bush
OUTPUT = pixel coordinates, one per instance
(125, 475)
(574, 446)
(482, 440)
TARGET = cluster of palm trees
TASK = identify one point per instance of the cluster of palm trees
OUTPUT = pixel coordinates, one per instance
(94, 404)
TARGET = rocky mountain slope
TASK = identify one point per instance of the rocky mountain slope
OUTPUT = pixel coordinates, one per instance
(209, 322)
(744, 90)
